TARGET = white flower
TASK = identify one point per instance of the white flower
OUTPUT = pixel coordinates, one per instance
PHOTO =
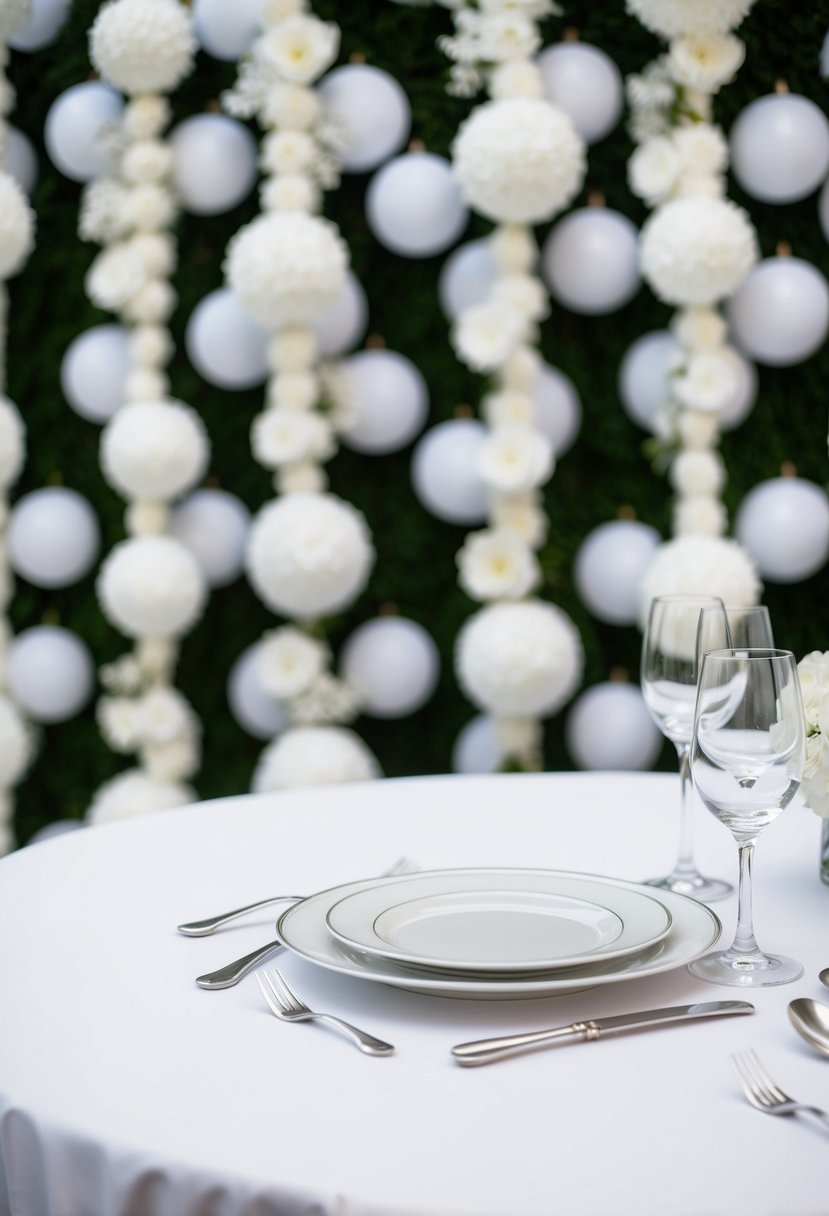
(485, 335)
(522, 514)
(525, 293)
(134, 793)
(286, 267)
(293, 350)
(697, 430)
(697, 250)
(123, 676)
(301, 47)
(12, 443)
(505, 35)
(116, 274)
(291, 107)
(144, 384)
(284, 436)
(710, 381)
(163, 715)
(519, 659)
(288, 152)
(653, 169)
(145, 117)
(520, 371)
(102, 217)
(508, 406)
(152, 304)
(17, 227)
(147, 160)
(705, 61)
(143, 46)
(673, 17)
(700, 328)
(118, 722)
(293, 391)
(156, 657)
(309, 554)
(700, 185)
(171, 762)
(516, 78)
(17, 743)
(154, 449)
(699, 516)
(497, 564)
(290, 192)
(326, 699)
(518, 160)
(698, 473)
(13, 16)
(150, 346)
(304, 477)
(148, 207)
(513, 459)
(289, 661)
(144, 518)
(513, 249)
(700, 565)
(150, 586)
(701, 148)
(278, 10)
(314, 755)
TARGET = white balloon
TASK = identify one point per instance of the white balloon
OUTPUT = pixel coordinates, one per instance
(780, 314)
(643, 375)
(739, 409)
(390, 401)
(74, 124)
(94, 369)
(46, 20)
(224, 343)
(374, 110)
(445, 473)
(393, 663)
(226, 30)
(476, 748)
(823, 207)
(591, 260)
(51, 673)
(780, 148)
(784, 525)
(21, 159)
(60, 827)
(215, 163)
(609, 727)
(558, 408)
(414, 205)
(256, 711)
(214, 526)
(586, 84)
(344, 322)
(53, 537)
(609, 566)
(467, 277)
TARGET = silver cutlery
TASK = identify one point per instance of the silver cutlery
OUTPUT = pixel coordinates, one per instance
(824, 977)
(811, 1021)
(284, 1004)
(487, 1051)
(202, 928)
(233, 972)
(765, 1095)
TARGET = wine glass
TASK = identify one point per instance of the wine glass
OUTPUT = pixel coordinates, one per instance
(747, 762)
(749, 626)
(669, 668)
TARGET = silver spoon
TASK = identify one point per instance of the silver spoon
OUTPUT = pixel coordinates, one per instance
(811, 1021)
(824, 976)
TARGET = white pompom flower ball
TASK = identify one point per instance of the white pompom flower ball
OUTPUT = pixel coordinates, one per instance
(14, 14)
(700, 565)
(309, 554)
(151, 586)
(697, 250)
(17, 227)
(12, 443)
(143, 46)
(314, 755)
(519, 659)
(518, 160)
(154, 450)
(672, 18)
(286, 268)
(16, 743)
(133, 793)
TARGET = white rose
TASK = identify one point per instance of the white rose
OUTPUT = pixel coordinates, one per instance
(705, 61)
(653, 170)
(163, 715)
(289, 661)
(508, 406)
(701, 328)
(710, 381)
(485, 335)
(516, 78)
(293, 391)
(293, 350)
(523, 514)
(513, 459)
(698, 473)
(284, 436)
(513, 249)
(301, 47)
(497, 565)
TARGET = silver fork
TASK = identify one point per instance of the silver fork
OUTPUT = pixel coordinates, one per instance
(284, 1003)
(232, 973)
(765, 1095)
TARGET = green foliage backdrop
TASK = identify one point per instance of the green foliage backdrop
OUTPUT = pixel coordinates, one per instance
(606, 470)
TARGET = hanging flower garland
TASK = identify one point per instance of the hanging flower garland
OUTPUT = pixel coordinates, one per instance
(153, 449)
(17, 224)
(696, 249)
(310, 553)
(519, 161)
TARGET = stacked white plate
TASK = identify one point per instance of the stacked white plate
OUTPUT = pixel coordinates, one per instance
(498, 932)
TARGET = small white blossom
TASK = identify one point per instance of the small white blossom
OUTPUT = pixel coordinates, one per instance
(485, 335)
(513, 459)
(497, 565)
(705, 61)
(301, 47)
(700, 328)
(289, 661)
(287, 436)
(709, 382)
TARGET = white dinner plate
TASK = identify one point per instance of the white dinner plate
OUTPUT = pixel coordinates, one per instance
(303, 928)
(504, 921)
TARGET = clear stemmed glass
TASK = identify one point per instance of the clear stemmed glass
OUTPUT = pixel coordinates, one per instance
(749, 626)
(747, 761)
(669, 668)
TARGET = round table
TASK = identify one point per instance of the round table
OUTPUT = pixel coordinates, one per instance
(126, 1090)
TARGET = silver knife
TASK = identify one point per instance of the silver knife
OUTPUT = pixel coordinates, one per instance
(487, 1051)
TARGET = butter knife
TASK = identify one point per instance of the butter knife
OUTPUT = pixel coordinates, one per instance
(487, 1051)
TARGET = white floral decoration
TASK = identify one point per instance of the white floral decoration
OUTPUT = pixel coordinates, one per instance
(672, 18)
(705, 62)
(687, 564)
(17, 743)
(133, 793)
(314, 755)
(697, 250)
(151, 586)
(290, 661)
(13, 16)
(497, 564)
(813, 674)
(17, 225)
(143, 46)
(12, 443)
(154, 450)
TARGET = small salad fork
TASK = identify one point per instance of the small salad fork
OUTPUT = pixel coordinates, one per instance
(765, 1095)
(284, 1004)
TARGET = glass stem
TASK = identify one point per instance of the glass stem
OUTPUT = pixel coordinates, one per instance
(685, 860)
(744, 939)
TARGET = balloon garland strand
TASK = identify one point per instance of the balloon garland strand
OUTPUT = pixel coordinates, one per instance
(153, 449)
(309, 553)
(519, 160)
(17, 221)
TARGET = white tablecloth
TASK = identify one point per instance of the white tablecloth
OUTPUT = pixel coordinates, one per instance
(125, 1090)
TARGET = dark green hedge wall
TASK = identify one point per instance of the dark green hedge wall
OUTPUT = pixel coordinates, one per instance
(607, 469)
